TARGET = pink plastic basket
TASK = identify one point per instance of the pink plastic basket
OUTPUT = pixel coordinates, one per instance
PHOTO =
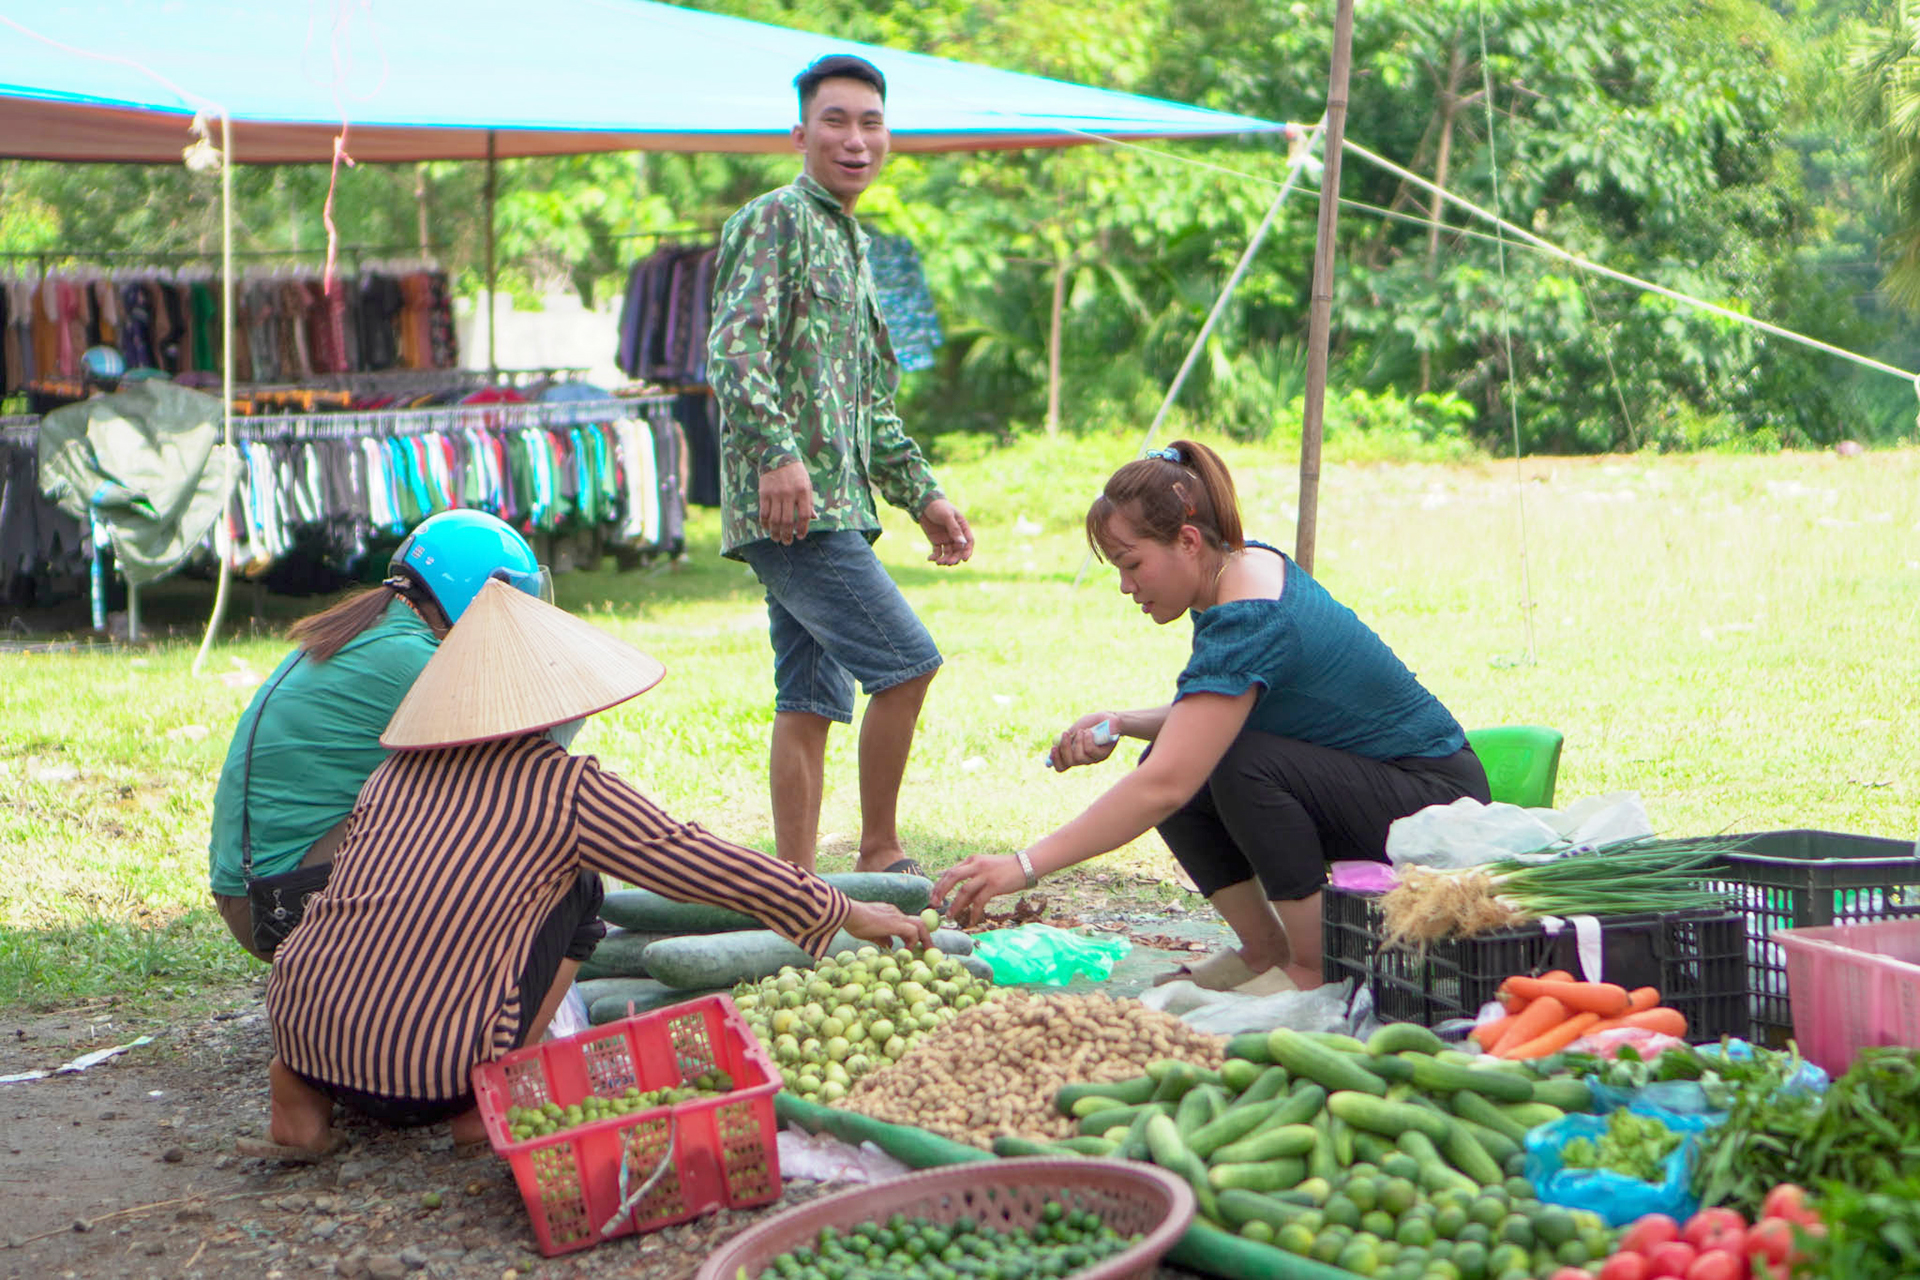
(1127, 1196)
(588, 1183)
(1851, 987)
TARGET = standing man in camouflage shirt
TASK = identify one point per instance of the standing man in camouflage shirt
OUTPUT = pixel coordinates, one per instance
(804, 376)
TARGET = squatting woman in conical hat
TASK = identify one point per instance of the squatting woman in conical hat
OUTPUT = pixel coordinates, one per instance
(311, 733)
(467, 889)
(1294, 737)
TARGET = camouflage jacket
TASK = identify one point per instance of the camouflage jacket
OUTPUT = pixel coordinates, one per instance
(802, 368)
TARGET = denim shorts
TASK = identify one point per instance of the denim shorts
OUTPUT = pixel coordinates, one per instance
(834, 616)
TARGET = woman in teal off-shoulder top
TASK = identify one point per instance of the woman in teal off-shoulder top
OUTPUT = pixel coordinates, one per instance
(1294, 739)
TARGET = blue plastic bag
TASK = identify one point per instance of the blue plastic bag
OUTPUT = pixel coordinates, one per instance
(1691, 1096)
(1049, 956)
(1616, 1197)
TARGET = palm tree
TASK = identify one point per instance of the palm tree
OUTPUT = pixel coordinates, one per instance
(1885, 69)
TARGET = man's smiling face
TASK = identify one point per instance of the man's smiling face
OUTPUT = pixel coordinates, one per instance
(844, 137)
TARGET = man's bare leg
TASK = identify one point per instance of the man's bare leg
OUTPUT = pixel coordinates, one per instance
(797, 767)
(886, 737)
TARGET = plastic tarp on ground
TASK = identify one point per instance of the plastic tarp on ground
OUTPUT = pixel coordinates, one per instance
(120, 80)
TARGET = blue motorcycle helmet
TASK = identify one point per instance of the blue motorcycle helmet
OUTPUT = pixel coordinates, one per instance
(103, 366)
(448, 557)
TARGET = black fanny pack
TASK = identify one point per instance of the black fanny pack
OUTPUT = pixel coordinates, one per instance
(277, 902)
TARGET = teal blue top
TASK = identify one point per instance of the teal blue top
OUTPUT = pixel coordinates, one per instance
(1324, 676)
(317, 744)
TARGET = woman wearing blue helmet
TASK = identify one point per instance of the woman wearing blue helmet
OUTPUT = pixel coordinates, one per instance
(311, 735)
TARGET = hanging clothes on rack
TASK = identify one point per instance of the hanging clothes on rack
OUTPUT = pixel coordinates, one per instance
(665, 314)
(39, 543)
(287, 326)
(565, 469)
(668, 308)
(906, 303)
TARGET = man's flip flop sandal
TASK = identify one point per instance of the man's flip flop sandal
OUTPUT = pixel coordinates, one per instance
(904, 867)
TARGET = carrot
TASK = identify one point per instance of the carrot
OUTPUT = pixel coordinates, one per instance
(1536, 1019)
(1554, 1039)
(1515, 1002)
(1488, 1034)
(1603, 998)
(1641, 999)
(1551, 975)
(1668, 1022)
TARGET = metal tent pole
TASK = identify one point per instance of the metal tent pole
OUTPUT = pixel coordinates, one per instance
(493, 367)
(1320, 308)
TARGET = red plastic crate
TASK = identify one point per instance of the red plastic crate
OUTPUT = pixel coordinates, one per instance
(1852, 987)
(723, 1148)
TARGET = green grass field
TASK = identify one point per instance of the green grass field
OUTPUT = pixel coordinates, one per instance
(1730, 637)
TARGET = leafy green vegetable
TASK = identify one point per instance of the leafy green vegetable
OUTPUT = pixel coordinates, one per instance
(1871, 1235)
(1633, 1144)
(1864, 1133)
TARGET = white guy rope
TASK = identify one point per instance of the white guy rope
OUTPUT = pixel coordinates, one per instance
(1298, 161)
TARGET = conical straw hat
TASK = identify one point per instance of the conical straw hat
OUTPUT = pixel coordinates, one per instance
(513, 665)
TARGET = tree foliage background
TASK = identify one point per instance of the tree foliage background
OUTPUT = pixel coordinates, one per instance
(1760, 155)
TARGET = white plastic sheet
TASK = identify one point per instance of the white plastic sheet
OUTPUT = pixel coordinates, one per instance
(1467, 833)
(821, 1157)
(1228, 1013)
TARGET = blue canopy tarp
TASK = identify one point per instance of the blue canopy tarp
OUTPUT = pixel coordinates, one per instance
(120, 80)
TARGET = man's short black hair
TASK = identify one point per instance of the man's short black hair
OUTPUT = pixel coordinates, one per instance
(842, 66)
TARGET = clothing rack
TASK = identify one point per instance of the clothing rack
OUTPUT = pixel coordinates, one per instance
(582, 477)
(347, 423)
(49, 259)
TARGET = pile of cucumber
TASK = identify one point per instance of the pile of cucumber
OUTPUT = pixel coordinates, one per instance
(1370, 1149)
(660, 952)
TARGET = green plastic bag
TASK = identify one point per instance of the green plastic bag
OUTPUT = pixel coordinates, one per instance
(1049, 956)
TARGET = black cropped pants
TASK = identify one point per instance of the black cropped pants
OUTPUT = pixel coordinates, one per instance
(1282, 809)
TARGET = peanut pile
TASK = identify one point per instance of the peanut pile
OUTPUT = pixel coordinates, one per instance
(995, 1068)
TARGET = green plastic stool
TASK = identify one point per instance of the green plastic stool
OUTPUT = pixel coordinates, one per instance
(1522, 761)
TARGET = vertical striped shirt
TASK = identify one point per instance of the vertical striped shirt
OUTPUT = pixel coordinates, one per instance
(404, 973)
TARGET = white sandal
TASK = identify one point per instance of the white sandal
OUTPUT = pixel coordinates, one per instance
(1221, 971)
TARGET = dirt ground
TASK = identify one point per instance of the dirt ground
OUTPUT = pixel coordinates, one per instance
(128, 1170)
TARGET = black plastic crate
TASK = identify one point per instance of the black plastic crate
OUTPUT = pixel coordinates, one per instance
(1796, 879)
(1698, 960)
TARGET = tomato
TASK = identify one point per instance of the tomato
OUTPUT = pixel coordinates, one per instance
(1708, 1222)
(1772, 1239)
(1724, 1237)
(1571, 1273)
(1789, 1202)
(1649, 1233)
(1670, 1259)
(1624, 1266)
(1717, 1264)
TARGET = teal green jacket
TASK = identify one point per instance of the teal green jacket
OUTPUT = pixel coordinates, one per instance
(319, 739)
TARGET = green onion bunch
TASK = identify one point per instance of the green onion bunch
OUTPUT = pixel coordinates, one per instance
(1642, 874)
